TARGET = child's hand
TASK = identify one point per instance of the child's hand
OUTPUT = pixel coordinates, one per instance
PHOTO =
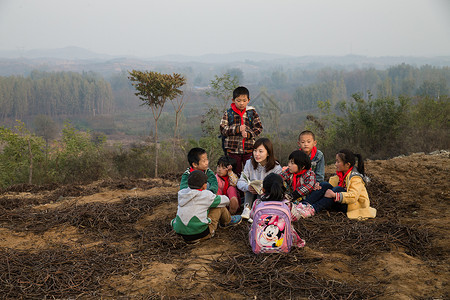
(252, 190)
(229, 168)
(284, 168)
(242, 130)
(330, 194)
(317, 186)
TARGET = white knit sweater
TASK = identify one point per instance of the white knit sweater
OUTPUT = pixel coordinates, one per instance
(255, 174)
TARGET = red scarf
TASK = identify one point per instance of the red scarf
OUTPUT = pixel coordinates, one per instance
(294, 179)
(227, 184)
(313, 152)
(342, 176)
(241, 114)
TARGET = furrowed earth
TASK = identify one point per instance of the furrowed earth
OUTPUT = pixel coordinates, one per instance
(112, 239)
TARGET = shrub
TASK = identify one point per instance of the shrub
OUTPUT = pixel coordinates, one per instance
(373, 128)
(21, 155)
(136, 162)
(77, 157)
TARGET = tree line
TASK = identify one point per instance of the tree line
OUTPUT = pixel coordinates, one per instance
(87, 94)
(54, 94)
(378, 128)
(401, 80)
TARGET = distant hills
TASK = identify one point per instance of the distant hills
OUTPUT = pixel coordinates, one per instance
(224, 58)
(77, 53)
(77, 59)
(70, 53)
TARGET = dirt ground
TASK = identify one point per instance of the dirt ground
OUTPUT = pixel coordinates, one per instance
(112, 239)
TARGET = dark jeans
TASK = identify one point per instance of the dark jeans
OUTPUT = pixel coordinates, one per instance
(319, 202)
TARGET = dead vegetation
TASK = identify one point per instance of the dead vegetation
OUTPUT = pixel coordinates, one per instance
(127, 248)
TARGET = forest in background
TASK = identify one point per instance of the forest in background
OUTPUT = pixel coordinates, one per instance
(377, 112)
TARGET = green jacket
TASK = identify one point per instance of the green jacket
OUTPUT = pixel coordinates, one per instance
(213, 185)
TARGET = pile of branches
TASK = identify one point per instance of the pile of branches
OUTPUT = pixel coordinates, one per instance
(64, 272)
(110, 222)
(291, 275)
(57, 192)
(283, 276)
(61, 272)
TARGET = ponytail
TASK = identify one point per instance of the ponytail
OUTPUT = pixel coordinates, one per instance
(273, 187)
(360, 166)
(348, 156)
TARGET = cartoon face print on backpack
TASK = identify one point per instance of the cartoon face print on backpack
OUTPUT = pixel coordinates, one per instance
(272, 232)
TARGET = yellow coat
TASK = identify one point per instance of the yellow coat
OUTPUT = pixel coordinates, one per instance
(356, 196)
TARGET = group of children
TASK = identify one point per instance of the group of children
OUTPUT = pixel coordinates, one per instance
(207, 200)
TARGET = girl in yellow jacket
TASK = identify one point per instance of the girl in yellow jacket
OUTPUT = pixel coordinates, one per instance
(346, 191)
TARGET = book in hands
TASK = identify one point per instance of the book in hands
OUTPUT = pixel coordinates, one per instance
(256, 184)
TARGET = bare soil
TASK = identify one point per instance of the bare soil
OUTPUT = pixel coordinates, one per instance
(112, 239)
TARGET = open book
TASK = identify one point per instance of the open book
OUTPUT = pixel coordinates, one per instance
(256, 184)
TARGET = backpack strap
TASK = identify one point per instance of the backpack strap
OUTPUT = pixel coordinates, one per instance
(250, 116)
(231, 116)
(230, 122)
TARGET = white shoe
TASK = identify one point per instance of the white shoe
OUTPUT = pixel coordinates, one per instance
(246, 212)
(296, 211)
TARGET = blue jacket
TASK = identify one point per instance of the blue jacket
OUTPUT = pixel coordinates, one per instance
(318, 166)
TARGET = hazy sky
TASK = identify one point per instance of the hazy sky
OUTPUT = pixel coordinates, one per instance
(149, 28)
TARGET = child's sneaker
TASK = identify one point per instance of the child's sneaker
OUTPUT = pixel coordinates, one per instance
(236, 219)
(246, 212)
(306, 211)
(295, 211)
(193, 242)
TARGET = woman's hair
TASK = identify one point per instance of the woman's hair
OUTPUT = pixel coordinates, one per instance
(301, 159)
(271, 161)
(348, 156)
(273, 188)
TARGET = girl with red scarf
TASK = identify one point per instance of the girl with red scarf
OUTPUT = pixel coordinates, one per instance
(298, 176)
(345, 192)
(227, 181)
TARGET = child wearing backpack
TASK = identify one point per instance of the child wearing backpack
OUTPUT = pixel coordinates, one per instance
(272, 229)
(239, 128)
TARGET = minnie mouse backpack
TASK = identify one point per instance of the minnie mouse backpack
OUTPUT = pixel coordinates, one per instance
(271, 229)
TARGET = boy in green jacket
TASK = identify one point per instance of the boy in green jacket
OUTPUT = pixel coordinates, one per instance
(200, 211)
(198, 160)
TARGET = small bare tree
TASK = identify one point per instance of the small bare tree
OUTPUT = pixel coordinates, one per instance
(222, 89)
(178, 105)
(154, 89)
